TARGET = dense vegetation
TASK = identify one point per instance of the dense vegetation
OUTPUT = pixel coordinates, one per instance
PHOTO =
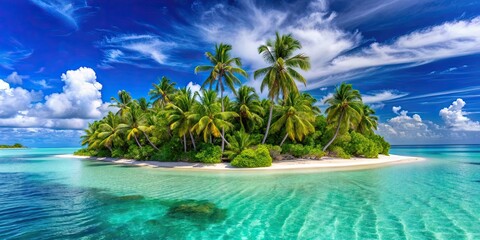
(181, 125)
(16, 145)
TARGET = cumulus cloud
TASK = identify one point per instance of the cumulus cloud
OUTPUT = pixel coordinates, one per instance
(41, 137)
(14, 100)
(194, 87)
(454, 117)
(79, 103)
(42, 83)
(15, 78)
(396, 109)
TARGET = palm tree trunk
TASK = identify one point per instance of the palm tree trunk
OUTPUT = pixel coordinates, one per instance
(193, 141)
(225, 140)
(148, 139)
(223, 108)
(184, 143)
(136, 140)
(336, 132)
(109, 148)
(284, 138)
(268, 123)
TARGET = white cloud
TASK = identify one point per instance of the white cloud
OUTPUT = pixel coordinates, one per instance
(450, 39)
(41, 137)
(396, 109)
(135, 49)
(66, 10)
(330, 47)
(13, 100)
(10, 57)
(79, 103)
(382, 96)
(42, 83)
(15, 78)
(455, 118)
(194, 87)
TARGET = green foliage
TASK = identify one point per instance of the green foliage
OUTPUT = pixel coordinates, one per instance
(168, 152)
(274, 150)
(85, 152)
(133, 152)
(382, 145)
(118, 153)
(209, 154)
(306, 151)
(359, 145)
(238, 142)
(16, 145)
(251, 158)
(337, 151)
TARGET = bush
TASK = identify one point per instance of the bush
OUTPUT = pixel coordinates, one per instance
(133, 152)
(274, 150)
(118, 153)
(250, 158)
(383, 146)
(299, 150)
(168, 152)
(337, 151)
(209, 154)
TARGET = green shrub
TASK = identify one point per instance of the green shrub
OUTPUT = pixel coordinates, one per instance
(209, 154)
(360, 145)
(133, 152)
(383, 146)
(250, 158)
(146, 152)
(337, 151)
(299, 150)
(168, 152)
(118, 153)
(274, 150)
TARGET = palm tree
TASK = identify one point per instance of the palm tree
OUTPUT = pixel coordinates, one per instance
(162, 92)
(143, 104)
(178, 112)
(248, 106)
(108, 130)
(91, 135)
(134, 125)
(122, 103)
(208, 117)
(296, 116)
(222, 72)
(281, 75)
(368, 121)
(239, 142)
(345, 108)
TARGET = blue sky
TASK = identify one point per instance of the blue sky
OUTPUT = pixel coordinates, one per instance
(417, 62)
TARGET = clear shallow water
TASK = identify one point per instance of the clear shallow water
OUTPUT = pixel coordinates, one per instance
(45, 197)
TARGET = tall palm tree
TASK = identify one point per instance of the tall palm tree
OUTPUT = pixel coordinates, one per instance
(178, 112)
(368, 121)
(296, 116)
(143, 103)
(162, 92)
(222, 72)
(208, 117)
(131, 122)
(122, 103)
(248, 107)
(108, 130)
(281, 75)
(345, 108)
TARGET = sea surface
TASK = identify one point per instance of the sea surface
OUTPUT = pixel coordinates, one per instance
(46, 197)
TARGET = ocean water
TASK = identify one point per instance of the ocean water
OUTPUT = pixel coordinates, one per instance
(46, 197)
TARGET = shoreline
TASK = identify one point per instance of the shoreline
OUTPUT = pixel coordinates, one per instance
(326, 163)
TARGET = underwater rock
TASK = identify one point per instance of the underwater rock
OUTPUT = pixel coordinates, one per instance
(197, 210)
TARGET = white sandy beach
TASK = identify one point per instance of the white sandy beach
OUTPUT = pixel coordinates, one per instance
(304, 164)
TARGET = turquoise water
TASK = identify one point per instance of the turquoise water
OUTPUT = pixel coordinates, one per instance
(46, 197)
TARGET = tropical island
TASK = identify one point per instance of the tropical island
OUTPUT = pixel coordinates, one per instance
(228, 121)
(16, 145)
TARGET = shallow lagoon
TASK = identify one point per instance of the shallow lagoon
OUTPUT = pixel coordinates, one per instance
(43, 196)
